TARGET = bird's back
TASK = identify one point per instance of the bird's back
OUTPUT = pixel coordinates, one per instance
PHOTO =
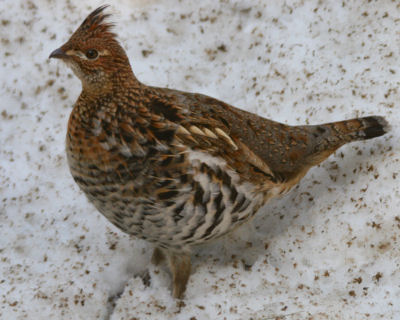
(288, 151)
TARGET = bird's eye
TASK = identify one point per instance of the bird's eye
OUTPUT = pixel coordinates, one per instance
(92, 54)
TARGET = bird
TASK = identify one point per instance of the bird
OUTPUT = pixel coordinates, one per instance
(174, 168)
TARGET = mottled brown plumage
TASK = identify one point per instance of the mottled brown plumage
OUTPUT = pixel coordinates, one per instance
(178, 168)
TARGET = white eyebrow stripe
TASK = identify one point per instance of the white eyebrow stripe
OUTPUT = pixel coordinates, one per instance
(104, 52)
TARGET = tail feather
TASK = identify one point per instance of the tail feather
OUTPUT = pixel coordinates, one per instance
(331, 136)
(374, 126)
(360, 128)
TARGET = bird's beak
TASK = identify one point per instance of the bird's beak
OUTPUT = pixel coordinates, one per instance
(58, 54)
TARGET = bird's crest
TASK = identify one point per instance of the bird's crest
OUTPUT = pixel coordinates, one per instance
(95, 25)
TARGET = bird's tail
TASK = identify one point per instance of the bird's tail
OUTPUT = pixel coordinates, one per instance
(360, 128)
(331, 136)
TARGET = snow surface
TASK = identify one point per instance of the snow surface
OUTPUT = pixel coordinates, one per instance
(328, 250)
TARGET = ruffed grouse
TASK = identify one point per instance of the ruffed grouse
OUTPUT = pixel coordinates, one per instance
(176, 168)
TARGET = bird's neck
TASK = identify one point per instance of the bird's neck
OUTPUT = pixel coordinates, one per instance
(107, 97)
(112, 83)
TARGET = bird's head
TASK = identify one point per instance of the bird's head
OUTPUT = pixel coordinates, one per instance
(94, 54)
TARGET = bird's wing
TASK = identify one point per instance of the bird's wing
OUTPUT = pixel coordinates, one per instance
(202, 126)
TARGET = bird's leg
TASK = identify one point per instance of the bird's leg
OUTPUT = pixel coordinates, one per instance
(180, 267)
(158, 256)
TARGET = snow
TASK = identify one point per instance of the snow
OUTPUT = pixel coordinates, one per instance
(327, 250)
